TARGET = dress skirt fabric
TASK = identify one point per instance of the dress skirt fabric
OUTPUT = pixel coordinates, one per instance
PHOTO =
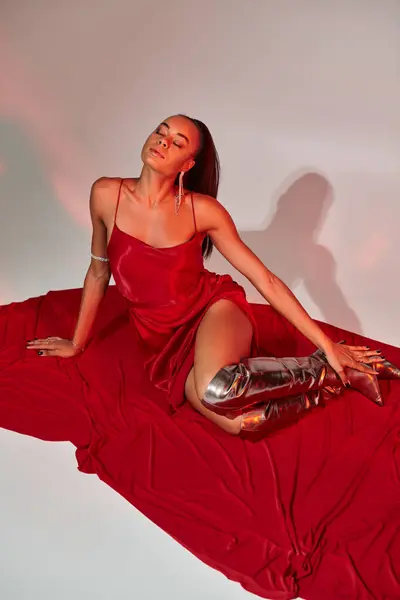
(312, 511)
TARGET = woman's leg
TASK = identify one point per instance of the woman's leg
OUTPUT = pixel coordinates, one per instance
(223, 337)
(223, 381)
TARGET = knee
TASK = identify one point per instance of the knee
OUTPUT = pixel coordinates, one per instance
(232, 426)
(203, 382)
(221, 384)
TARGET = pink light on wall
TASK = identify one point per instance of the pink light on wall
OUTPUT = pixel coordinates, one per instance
(67, 166)
(372, 252)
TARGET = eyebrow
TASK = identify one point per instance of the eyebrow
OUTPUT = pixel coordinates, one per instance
(181, 134)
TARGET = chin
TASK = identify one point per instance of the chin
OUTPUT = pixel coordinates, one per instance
(152, 163)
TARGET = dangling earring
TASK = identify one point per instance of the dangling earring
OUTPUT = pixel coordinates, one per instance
(178, 197)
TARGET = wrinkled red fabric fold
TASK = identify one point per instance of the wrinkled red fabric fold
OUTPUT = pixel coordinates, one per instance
(312, 511)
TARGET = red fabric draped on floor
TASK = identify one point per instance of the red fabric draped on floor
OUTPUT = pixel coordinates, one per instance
(313, 511)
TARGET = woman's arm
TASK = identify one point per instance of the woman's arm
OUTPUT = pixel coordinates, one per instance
(98, 274)
(96, 280)
(216, 221)
(226, 239)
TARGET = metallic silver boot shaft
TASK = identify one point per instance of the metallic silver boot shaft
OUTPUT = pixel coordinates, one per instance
(230, 382)
(266, 419)
(238, 387)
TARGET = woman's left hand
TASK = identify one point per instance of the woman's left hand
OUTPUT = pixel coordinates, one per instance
(341, 356)
(54, 346)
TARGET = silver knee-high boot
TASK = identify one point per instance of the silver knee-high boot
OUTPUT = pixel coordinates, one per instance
(265, 419)
(240, 386)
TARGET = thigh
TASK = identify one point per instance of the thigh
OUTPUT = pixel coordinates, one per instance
(232, 426)
(223, 337)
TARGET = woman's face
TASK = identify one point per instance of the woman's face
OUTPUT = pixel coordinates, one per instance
(171, 148)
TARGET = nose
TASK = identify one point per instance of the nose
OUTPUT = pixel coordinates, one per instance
(163, 143)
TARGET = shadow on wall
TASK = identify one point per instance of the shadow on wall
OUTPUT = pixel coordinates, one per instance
(289, 247)
(39, 242)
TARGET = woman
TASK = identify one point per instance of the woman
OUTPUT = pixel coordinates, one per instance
(150, 233)
(311, 512)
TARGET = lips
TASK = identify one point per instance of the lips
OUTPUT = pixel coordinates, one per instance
(155, 152)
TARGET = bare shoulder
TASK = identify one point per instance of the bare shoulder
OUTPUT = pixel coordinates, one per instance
(207, 205)
(209, 211)
(103, 196)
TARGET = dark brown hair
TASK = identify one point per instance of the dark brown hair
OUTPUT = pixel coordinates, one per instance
(203, 177)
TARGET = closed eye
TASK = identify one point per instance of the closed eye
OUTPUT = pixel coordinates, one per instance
(159, 132)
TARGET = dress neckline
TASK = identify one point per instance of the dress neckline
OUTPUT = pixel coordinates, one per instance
(143, 243)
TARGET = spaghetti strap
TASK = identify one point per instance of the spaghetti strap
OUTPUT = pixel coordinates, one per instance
(194, 214)
(119, 195)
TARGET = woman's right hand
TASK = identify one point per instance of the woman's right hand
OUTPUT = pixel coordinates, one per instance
(54, 346)
(363, 354)
(361, 358)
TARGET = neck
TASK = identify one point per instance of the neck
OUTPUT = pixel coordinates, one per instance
(153, 188)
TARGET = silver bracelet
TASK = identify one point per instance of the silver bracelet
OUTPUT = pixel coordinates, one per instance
(99, 258)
